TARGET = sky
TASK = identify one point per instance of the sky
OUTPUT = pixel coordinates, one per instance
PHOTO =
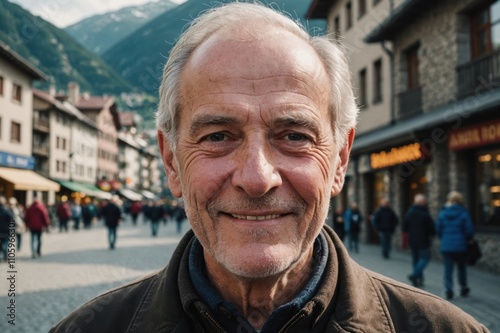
(62, 13)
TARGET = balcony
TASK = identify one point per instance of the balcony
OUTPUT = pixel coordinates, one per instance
(41, 125)
(479, 76)
(410, 103)
(41, 149)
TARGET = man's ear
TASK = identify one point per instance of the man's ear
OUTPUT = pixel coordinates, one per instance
(170, 165)
(343, 162)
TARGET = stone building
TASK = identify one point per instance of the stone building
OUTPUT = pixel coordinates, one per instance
(445, 134)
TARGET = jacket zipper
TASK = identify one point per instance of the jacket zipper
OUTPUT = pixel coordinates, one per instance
(213, 321)
(292, 321)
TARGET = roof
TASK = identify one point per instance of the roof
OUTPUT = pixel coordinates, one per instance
(64, 106)
(402, 16)
(128, 118)
(407, 129)
(319, 9)
(94, 102)
(14, 58)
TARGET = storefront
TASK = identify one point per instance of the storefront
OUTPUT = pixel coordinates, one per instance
(482, 143)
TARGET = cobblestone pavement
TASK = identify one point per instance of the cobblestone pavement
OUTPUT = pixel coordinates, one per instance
(77, 266)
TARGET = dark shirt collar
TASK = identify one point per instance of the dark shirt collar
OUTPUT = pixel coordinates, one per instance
(229, 316)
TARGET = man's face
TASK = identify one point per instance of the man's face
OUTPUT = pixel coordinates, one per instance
(256, 159)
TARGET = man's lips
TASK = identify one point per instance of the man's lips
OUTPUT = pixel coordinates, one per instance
(255, 217)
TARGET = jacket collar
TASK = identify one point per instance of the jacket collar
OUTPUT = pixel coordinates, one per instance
(347, 299)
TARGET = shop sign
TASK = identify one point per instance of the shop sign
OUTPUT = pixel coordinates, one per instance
(474, 136)
(397, 155)
(16, 161)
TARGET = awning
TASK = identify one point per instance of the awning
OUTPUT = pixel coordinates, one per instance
(452, 114)
(88, 189)
(25, 180)
(129, 194)
(148, 195)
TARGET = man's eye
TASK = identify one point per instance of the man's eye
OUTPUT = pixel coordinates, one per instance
(216, 137)
(296, 137)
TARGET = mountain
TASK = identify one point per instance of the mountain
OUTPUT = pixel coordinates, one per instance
(56, 53)
(140, 57)
(99, 33)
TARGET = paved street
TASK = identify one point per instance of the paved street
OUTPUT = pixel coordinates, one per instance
(78, 266)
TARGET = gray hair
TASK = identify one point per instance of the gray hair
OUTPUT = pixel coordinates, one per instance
(342, 101)
(420, 199)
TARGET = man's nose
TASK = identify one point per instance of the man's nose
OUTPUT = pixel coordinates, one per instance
(256, 172)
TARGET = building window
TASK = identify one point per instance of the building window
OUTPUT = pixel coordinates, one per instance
(58, 142)
(1, 85)
(336, 27)
(63, 144)
(488, 187)
(413, 81)
(375, 2)
(362, 89)
(485, 30)
(58, 166)
(16, 92)
(348, 14)
(63, 164)
(361, 8)
(15, 132)
(377, 81)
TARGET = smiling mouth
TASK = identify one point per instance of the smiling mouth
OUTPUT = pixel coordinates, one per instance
(256, 217)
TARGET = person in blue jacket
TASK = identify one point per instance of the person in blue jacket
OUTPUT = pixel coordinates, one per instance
(454, 228)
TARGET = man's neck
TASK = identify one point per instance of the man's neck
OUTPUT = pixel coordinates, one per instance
(256, 299)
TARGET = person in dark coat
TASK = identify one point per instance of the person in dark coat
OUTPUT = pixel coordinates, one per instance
(385, 221)
(338, 223)
(353, 220)
(6, 219)
(112, 216)
(155, 216)
(454, 228)
(419, 226)
(37, 220)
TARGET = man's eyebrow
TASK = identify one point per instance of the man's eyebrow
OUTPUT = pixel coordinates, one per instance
(205, 120)
(290, 120)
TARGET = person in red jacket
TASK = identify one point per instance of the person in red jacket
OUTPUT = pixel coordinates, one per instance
(36, 219)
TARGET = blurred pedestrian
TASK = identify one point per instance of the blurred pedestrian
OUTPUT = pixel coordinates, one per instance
(89, 212)
(37, 220)
(5, 221)
(419, 226)
(146, 211)
(63, 215)
(135, 210)
(76, 214)
(180, 216)
(18, 214)
(155, 216)
(112, 216)
(338, 223)
(454, 228)
(385, 221)
(352, 221)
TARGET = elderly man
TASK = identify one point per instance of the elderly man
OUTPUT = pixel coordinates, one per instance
(256, 122)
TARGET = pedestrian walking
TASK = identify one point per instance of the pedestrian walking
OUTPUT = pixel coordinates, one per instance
(385, 221)
(454, 228)
(6, 219)
(135, 210)
(353, 221)
(89, 212)
(419, 226)
(338, 223)
(155, 216)
(112, 215)
(255, 135)
(76, 214)
(18, 214)
(37, 220)
(63, 215)
(180, 216)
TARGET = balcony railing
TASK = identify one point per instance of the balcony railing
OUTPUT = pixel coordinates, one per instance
(42, 150)
(41, 125)
(410, 103)
(479, 76)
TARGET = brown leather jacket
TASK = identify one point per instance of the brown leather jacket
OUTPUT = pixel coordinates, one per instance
(350, 299)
